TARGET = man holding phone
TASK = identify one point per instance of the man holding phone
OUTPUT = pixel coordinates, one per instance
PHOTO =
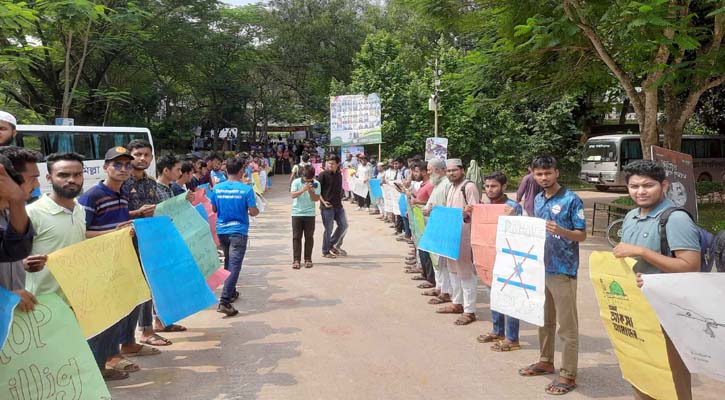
(305, 191)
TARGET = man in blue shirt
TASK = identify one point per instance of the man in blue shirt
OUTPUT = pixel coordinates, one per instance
(214, 162)
(565, 228)
(641, 239)
(505, 335)
(234, 202)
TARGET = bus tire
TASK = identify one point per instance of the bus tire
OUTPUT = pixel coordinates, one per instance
(601, 188)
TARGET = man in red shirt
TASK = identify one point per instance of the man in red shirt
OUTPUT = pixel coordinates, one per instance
(420, 199)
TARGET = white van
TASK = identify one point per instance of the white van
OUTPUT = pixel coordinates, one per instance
(91, 142)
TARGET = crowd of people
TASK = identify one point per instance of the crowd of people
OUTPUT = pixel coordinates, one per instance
(453, 283)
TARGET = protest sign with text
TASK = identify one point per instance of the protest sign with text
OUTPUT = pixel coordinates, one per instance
(680, 173)
(484, 220)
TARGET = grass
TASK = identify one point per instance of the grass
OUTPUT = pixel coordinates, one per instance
(711, 216)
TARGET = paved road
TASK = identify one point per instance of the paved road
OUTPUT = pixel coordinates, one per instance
(356, 328)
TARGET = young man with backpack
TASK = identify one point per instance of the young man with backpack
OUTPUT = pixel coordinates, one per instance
(297, 169)
(642, 239)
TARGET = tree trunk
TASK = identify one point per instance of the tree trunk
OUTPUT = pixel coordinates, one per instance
(623, 113)
(649, 135)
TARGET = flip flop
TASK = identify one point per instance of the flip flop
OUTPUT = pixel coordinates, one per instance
(489, 338)
(143, 351)
(465, 319)
(417, 278)
(156, 340)
(504, 347)
(426, 285)
(450, 309)
(557, 388)
(438, 300)
(110, 374)
(125, 366)
(432, 292)
(173, 328)
(534, 370)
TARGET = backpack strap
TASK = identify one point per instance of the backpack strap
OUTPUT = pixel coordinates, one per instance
(663, 218)
(463, 191)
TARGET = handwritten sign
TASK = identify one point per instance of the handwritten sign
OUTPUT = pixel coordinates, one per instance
(194, 229)
(101, 278)
(391, 197)
(484, 220)
(179, 289)
(632, 325)
(518, 284)
(8, 302)
(689, 307)
(442, 235)
(680, 172)
(46, 357)
(376, 191)
(359, 187)
(257, 183)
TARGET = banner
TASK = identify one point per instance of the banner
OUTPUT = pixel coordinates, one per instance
(484, 220)
(359, 187)
(417, 223)
(201, 199)
(194, 229)
(442, 235)
(689, 307)
(8, 302)
(101, 278)
(632, 325)
(176, 282)
(436, 148)
(518, 285)
(355, 120)
(257, 183)
(680, 172)
(391, 197)
(354, 150)
(46, 357)
(217, 278)
(376, 191)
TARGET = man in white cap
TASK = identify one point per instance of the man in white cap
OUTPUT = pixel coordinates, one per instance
(7, 128)
(464, 280)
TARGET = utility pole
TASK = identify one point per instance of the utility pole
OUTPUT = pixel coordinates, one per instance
(434, 101)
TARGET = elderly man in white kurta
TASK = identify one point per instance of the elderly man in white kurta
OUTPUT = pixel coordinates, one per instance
(464, 280)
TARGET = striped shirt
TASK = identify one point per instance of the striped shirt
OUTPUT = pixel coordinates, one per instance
(105, 209)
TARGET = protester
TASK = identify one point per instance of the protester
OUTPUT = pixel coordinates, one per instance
(528, 189)
(305, 191)
(350, 163)
(21, 164)
(464, 280)
(641, 239)
(565, 228)
(216, 173)
(364, 173)
(201, 175)
(505, 335)
(420, 199)
(182, 183)
(331, 208)
(143, 196)
(7, 128)
(473, 174)
(437, 175)
(168, 170)
(297, 169)
(233, 201)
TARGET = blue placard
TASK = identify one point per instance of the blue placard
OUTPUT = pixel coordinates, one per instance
(403, 204)
(376, 190)
(200, 208)
(204, 186)
(177, 285)
(442, 233)
(8, 302)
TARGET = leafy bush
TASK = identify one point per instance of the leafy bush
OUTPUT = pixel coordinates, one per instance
(707, 187)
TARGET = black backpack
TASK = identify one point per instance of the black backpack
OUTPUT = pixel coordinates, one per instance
(712, 247)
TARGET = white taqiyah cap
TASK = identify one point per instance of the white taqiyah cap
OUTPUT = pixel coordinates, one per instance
(7, 117)
(454, 162)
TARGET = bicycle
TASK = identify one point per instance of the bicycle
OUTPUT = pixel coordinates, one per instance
(614, 232)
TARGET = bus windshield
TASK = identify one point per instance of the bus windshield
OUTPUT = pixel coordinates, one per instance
(600, 152)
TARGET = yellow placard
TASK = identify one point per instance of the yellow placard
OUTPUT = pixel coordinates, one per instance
(632, 326)
(257, 183)
(101, 278)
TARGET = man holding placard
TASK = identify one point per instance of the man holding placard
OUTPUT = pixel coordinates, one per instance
(464, 281)
(437, 175)
(563, 211)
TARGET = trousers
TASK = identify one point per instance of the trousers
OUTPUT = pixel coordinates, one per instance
(560, 306)
(443, 280)
(463, 291)
(300, 226)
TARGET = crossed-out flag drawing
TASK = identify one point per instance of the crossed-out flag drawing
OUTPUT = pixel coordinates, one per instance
(518, 268)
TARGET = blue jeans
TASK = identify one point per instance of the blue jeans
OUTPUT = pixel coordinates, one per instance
(511, 329)
(406, 227)
(329, 238)
(234, 247)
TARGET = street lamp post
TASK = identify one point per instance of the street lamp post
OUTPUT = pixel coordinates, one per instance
(434, 102)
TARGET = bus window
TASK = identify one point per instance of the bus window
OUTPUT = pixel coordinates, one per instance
(105, 141)
(631, 150)
(31, 143)
(67, 142)
(600, 152)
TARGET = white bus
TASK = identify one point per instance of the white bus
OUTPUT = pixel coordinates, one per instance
(604, 158)
(91, 142)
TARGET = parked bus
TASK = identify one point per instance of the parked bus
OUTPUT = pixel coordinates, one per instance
(605, 156)
(91, 142)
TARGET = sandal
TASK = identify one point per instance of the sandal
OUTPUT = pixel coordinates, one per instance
(417, 278)
(110, 374)
(308, 264)
(172, 328)
(557, 388)
(296, 265)
(505, 346)
(489, 338)
(535, 370)
(432, 292)
(439, 300)
(451, 309)
(143, 351)
(413, 271)
(156, 340)
(465, 319)
(125, 366)
(426, 285)
(329, 255)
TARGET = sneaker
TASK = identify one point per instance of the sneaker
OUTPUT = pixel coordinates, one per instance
(227, 309)
(235, 296)
(338, 251)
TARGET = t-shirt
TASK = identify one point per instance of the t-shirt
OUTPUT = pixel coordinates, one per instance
(57, 227)
(331, 186)
(140, 191)
(165, 192)
(682, 233)
(302, 205)
(232, 200)
(218, 177)
(561, 255)
(177, 189)
(424, 192)
(105, 209)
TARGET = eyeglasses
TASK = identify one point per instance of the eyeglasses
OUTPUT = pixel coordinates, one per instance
(118, 166)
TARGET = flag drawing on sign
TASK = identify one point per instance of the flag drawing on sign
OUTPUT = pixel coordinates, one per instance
(689, 307)
(484, 220)
(517, 287)
(442, 235)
